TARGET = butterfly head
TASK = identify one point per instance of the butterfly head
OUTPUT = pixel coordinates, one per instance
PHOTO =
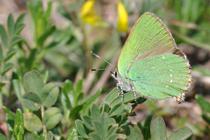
(114, 75)
(123, 85)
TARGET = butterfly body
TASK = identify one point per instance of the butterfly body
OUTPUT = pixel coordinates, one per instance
(150, 64)
(124, 85)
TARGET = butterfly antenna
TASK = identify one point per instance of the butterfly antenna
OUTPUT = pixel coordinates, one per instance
(99, 57)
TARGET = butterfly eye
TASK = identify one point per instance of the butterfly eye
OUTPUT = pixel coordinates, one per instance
(115, 74)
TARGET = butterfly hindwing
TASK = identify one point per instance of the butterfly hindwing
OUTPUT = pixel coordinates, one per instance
(160, 76)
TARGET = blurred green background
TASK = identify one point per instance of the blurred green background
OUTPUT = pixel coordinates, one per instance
(46, 47)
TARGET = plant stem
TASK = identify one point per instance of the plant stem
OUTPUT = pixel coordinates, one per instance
(43, 125)
(86, 49)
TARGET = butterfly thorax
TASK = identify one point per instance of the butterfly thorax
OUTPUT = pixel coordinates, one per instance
(123, 84)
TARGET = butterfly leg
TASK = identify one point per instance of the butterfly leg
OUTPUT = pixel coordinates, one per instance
(180, 98)
(135, 95)
(122, 95)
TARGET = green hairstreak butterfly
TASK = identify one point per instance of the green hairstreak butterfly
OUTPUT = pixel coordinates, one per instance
(150, 64)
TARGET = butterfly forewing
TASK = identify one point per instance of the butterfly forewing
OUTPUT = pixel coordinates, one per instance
(149, 36)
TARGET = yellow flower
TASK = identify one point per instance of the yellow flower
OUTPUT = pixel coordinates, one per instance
(89, 15)
(122, 22)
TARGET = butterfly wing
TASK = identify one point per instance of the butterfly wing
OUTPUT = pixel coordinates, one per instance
(160, 76)
(151, 61)
(149, 36)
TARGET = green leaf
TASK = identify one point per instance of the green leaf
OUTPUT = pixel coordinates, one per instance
(32, 82)
(50, 136)
(80, 129)
(6, 68)
(10, 114)
(146, 127)
(18, 88)
(78, 92)
(52, 117)
(29, 104)
(75, 111)
(181, 134)
(205, 106)
(31, 122)
(46, 34)
(88, 102)
(10, 24)
(158, 129)
(46, 76)
(19, 24)
(119, 109)
(31, 101)
(98, 125)
(29, 63)
(16, 39)
(135, 133)
(10, 54)
(33, 97)
(113, 98)
(72, 135)
(41, 19)
(67, 86)
(95, 112)
(49, 94)
(4, 37)
(2, 84)
(19, 125)
(79, 85)
(2, 137)
(32, 136)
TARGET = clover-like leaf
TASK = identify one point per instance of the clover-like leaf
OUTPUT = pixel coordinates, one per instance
(32, 82)
(32, 136)
(52, 117)
(135, 133)
(31, 122)
(158, 129)
(181, 134)
(49, 94)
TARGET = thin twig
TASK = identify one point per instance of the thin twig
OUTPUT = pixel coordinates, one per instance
(191, 41)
